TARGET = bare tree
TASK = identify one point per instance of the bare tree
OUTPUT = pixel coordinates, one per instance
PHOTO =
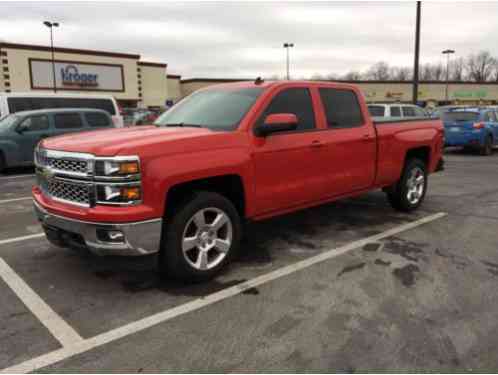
(480, 66)
(379, 72)
(457, 69)
(401, 73)
(352, 76)
(432, 72)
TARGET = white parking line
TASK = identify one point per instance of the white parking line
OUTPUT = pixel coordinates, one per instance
(142, 324)
(57, 326)
(22, 238)
(19, 176)
(15, 200)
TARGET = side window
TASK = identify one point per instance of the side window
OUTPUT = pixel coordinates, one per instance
(409, 112)
(341, 108)
(395, 112)
(35, 123)
(68, 121)
(376, 110)
(296, 101)
(97, 120)
(492, 116)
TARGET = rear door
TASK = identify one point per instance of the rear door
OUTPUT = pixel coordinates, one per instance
(287, 165)
(349, 155)
(68, 122)
(29, 132)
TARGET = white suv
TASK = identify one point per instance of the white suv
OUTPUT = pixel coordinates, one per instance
(396, 110)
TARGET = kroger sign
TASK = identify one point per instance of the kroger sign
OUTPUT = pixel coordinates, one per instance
(72, 77)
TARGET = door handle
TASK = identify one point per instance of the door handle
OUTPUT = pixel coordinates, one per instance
(315, 144)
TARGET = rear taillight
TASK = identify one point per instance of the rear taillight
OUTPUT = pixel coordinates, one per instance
(478, 125)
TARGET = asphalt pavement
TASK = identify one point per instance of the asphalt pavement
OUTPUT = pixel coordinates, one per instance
(352, 286)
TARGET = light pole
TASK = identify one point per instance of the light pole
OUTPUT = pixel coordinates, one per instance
(287, 46)
(51, 26)
(417, 52)
(447, 52)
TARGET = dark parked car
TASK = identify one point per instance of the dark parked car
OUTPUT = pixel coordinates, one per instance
(20, 132)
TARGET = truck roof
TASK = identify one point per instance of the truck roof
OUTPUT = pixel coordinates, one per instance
(267, 84)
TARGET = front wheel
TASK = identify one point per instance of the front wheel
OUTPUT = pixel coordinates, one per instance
(200, 238)
(487, 148)
(409, 192)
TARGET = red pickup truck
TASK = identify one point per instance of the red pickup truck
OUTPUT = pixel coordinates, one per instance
(225, 154)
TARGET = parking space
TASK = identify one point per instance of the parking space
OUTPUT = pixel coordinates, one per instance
(414, 294)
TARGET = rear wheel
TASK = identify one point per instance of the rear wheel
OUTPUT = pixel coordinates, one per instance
(487, 148)
(200, 238)
(409, 192)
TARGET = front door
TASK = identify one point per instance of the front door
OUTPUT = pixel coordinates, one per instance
(29, 132)
(287, 165)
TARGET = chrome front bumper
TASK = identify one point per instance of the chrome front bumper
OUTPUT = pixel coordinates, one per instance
(139, 238)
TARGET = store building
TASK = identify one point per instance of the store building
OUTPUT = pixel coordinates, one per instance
(134, 83)
(430, 93)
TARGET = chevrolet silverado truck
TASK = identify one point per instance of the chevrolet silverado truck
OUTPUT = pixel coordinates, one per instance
(227, 154)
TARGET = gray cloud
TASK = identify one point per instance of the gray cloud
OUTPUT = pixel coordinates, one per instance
(214, 39)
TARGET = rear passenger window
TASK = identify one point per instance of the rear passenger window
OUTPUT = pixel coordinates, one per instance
(97, 120)
(409, 112)
(376, 110)
(341, 108)
(395, 112)
(68, 121)
(296, 101)
(35, 123)
(490, 116)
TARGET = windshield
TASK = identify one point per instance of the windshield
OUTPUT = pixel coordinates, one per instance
(216, 109)
(7, 121)
(460, 116)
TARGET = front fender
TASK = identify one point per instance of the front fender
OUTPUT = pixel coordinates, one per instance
(162, 173)
(11, 153)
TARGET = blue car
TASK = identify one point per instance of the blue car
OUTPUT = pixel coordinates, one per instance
(475, 128)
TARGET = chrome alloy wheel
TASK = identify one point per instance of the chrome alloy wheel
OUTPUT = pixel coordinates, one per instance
(416, 185)
(207, 238)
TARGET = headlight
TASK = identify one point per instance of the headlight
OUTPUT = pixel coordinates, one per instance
(117, 167)
(119, 193)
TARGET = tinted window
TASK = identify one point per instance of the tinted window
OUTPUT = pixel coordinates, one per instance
(460, 116)
(419, 112)
(395, 112)
(30, 103)
(97, 120)
(409, 112)
(376, 110)
(68, 121)
(217, 109)
(35, 123)
(341, 108)
(490, 116)
(296, 101)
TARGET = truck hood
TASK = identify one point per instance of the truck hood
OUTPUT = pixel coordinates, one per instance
(111, 142)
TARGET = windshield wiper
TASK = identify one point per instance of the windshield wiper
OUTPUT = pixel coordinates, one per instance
(182, 124)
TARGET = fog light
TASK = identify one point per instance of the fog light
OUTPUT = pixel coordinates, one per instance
(110, 235)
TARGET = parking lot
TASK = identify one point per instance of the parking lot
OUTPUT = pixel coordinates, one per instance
(350, 286)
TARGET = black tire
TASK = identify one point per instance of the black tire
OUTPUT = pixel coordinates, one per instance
(487, 148)
(3, 164)
(173, 262)
(398, 194)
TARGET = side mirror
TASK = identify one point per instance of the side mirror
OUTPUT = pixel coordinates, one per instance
(22, 128)
(277, 122)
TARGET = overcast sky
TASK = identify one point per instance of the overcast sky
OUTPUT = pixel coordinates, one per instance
(237, 39)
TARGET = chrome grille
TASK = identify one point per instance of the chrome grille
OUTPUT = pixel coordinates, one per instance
(66, 165)
(70, 191)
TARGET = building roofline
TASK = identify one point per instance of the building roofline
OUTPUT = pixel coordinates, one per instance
(173, 76)
(222, 80)
(157, 65)
(68, 50)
